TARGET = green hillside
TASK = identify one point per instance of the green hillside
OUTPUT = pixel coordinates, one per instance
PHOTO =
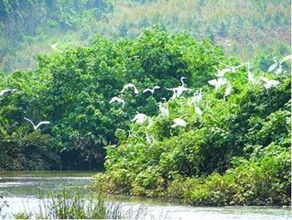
(242, 27)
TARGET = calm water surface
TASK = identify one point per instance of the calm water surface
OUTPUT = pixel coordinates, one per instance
(27, 191)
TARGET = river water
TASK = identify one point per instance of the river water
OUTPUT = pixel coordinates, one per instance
(27, 192)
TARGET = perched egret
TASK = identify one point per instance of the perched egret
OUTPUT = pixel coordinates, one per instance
(148, 139)
(151, 90)
(163, 109)
(198, 110)
(251, 77)
(269, 82)
(35, 127)
(130, 85)
(182, 81)
(6, 91)
(117, 99)
(218, 82)
(178, 122)
(228, 90)
(54, 47)
(197, 96)
(139, 118)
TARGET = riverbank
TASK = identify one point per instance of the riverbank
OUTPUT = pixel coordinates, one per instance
(22, 198)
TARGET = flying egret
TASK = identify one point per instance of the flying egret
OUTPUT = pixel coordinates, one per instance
(220, 73)
(151, 90)
(289, 57)
(198, 110)
(163, 109)
(178, 122)
(279, 70)
(117, 99)
(139, 118)
(177, 92)
(130, 85)
(218, 82)
(6, 91)
(228, 90)
(273, 66)
(229, 68)
(269, 82)
(35, 127)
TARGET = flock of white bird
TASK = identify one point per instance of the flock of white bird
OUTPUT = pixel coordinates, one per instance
(140, 118)
(221, 80)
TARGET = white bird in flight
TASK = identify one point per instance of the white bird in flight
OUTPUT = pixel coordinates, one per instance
(218, 82)
(35, 127)
(273, 66)
(269, 82)
(139, 118)
(229, 68)
(117, 99)
(6, 91)
(163, 109)
(151, 90)
(177, 92)
(130, 85)
(289, 57)
(178, 122)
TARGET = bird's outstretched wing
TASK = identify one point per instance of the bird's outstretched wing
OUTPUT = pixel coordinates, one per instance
(30, 121)
(42, 123)
(147, 90)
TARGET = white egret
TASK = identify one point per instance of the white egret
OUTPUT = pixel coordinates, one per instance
(218, 82)
(139, 118)
(273, 66)
(289, 57)
(148, 139)
(220, 73)
(163, 109)
(177, 92)
(130, 85)
(198, 110)
(197, 96)
(6, 91)
(151, 90)
(279, 70)
(269, 82)
(117, 99)
(229, 68)
(178, 122)
(251, 77)
(228, 90)
(35, 127)
(54, 47)
(181, 80)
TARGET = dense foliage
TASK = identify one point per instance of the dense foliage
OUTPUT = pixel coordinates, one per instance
(236, 152)
(242, 27)
(72, 90)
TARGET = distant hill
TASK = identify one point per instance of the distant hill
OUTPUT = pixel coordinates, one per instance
(242, 27)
